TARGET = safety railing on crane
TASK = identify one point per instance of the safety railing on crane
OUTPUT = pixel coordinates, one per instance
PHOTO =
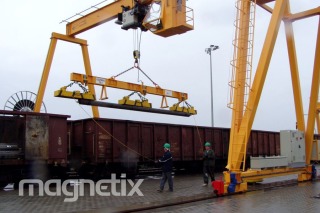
(86, 11)
(152, 21)
(236, 61)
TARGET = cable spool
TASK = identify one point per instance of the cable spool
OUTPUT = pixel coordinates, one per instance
(23, 101)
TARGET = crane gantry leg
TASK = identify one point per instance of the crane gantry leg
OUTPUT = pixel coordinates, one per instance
(242, 123)
(294, 72)
(45, 74)
(313, 99)
(242, 129)
(47, 67)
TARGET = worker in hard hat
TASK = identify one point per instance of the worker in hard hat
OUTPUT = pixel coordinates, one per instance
(208, 164)
(166, 162)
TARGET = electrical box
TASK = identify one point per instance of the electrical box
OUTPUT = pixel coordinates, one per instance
(292, 145)
(315, 150)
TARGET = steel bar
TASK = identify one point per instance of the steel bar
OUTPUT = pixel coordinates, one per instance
(135, 108)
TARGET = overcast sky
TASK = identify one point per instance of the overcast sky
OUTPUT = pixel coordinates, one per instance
(177, 63)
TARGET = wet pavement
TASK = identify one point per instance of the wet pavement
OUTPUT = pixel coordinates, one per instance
(289, 199)
(288, 196)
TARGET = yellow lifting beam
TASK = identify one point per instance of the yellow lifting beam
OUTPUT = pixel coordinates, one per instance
(140, 88)
(143, 89)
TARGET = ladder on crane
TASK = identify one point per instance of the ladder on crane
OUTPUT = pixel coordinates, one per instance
(242, 64)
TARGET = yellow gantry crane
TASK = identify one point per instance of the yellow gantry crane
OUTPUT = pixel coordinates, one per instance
(162, 17)
(245, 96)
(171, 17)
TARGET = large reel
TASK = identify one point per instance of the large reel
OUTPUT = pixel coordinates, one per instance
(23, 101)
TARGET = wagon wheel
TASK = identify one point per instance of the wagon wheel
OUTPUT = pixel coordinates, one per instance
(23, 101)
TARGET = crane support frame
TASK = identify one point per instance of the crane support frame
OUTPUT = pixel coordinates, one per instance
(312, 113)
(294, 71)
(241, 132)
(46, 70)
(174, 20)
(241, 128)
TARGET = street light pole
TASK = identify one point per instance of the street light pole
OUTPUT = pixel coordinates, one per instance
(208, 51)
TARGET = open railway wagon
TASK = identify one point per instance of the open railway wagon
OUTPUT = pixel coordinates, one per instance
(41, 145)
(32, 145)
(102, 146)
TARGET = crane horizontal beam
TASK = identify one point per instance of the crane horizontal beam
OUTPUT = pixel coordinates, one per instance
(97, 17)
(263, 1)
(304, 14)
(69, 39)
(274, 172)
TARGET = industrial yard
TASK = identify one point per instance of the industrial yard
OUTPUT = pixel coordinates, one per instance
(101, 128)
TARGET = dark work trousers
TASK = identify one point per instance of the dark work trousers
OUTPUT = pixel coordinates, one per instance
(166, 176)
(208, 171)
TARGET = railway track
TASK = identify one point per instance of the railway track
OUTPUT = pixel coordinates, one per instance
(196, 198)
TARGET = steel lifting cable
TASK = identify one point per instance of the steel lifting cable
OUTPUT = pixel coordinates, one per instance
(136, 66)
(123, 72)
(79, 84)
(154, 83)
(136, 55)
(136, 47)
(136, 51)
(116, 139)
(136, 39)
(142, 98)
(196, 125)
